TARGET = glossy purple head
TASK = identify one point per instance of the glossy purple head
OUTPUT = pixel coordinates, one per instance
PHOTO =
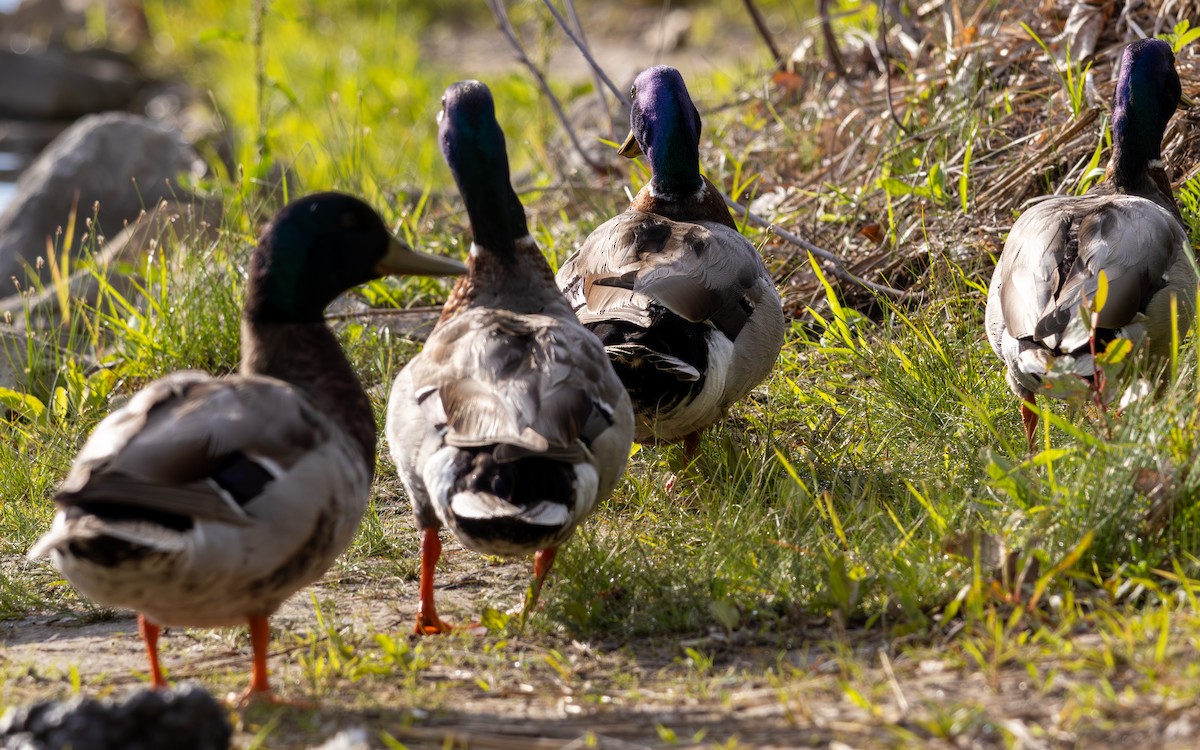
(1148, 91)
(666, 125)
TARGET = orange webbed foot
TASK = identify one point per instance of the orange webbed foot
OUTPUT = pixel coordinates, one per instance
(431, 625)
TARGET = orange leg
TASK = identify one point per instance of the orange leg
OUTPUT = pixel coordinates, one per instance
(260, 687)
(543, 560)
(149, 633)
(691, 445)
(1029, 418)
(431, 551)
(260, 641)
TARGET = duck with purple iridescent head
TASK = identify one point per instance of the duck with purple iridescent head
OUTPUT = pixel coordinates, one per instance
(1125, 234)
(684, 305)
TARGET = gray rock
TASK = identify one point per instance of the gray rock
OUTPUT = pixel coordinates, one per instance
(187, 718)
(41, 19)
(64, 22)
(59, 85)
(196, 224)
(109, 166)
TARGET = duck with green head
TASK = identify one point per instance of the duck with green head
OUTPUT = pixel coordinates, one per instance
(1127, 229)
(510, 425)
(687, 311)
(207, 501)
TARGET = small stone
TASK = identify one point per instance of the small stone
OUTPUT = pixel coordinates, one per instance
(187, 718)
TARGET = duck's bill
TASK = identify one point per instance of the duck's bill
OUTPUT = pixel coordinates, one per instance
(630, 148)
(402, 259)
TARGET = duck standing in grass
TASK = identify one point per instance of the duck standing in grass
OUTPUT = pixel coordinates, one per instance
(510, 425)
(1128, 228)
(205, 501)
(681, 300)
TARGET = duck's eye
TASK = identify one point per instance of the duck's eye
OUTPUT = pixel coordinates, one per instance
(348, 220)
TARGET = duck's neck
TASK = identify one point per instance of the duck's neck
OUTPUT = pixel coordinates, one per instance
(308, 356)
(1136, 166)
(703, 204)
(1147, 179)
(514, 276)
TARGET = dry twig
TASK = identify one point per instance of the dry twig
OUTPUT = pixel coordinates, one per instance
(837, 265)
(581, 45)
(501, 15)
(760, 24)
(832, 53)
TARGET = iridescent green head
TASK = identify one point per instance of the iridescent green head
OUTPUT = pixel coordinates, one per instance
(473, 146)
(320, 246)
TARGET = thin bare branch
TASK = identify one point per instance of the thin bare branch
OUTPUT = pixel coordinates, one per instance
(583, 50)
(838, 265)
(501, 15)
(887, 70)
(764, 31)
(832, 53)
(597, 83)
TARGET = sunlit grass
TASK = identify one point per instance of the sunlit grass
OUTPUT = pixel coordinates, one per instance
(877, 488)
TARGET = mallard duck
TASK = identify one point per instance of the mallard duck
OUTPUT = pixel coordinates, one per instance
(510, 425)
(685, 307)
(1127, 227)
(206, 501)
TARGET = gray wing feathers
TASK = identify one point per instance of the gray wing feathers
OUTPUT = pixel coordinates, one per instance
(157, 451)
(1131, 239)
(528, 391)
(700, 271)
(199, 500)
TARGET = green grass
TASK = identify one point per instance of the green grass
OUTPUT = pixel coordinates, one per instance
(875, 491)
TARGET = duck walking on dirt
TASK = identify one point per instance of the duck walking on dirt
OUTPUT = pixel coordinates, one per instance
(207, 501)
(1041, 316)
(687, 311)
(510, 425)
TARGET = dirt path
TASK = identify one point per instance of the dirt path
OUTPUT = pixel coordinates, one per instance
(809, 686)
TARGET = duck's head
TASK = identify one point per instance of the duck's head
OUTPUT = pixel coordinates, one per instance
(320, 246)
(1148, 92)
(473, 146)
(665, 126)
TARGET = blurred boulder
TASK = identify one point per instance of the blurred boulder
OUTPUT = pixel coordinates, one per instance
(37, 338)
(170, 226)
(106, 169)
(59, 85)
(59, 21)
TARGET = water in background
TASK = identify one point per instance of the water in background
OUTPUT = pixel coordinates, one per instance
(7, 189)
(9, 164)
